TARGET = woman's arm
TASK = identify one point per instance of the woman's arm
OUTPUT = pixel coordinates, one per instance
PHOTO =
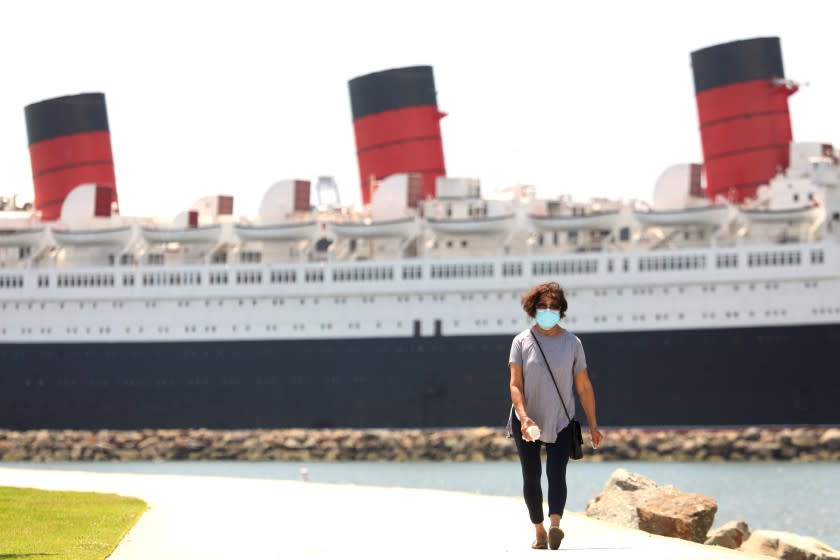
(587, 398)
(517, 397)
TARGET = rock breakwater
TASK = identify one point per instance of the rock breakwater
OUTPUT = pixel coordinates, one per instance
(635, 501)
(469, 444)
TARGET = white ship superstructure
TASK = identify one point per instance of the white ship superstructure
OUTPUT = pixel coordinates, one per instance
(456, 266)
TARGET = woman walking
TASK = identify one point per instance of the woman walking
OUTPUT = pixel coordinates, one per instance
(537, 402)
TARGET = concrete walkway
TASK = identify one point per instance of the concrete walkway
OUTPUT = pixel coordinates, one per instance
(209, 517)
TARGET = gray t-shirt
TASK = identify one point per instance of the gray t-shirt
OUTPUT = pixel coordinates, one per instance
(566, 357)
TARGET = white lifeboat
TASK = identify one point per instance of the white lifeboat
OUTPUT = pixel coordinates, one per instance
(768, 216)
(201, 234)
(21, 237)
(485, 224)
(701, 215)
(277, 232)
(93, 236)
(600, 220)
(402, 227)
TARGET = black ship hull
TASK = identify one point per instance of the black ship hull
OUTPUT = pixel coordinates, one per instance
(748, 376)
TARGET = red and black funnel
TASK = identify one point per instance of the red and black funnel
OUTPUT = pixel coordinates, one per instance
(69, 144)
(397, 126)
(742, 102)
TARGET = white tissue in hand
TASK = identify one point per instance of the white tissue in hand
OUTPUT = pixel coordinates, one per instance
(533, 432)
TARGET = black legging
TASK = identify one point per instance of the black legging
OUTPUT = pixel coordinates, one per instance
(555, 466)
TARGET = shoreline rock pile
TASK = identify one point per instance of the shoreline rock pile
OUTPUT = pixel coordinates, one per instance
(467, 444)
(635, 501)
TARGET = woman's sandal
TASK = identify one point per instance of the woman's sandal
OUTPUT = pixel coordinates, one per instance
(539, 545)
(555, 537)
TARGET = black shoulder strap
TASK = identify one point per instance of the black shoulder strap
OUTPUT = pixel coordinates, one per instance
(551, 374)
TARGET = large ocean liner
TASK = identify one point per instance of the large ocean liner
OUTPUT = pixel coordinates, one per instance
(715, 305)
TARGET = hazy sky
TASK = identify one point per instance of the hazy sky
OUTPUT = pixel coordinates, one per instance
(584, 98)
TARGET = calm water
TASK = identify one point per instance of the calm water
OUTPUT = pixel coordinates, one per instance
(800, 497)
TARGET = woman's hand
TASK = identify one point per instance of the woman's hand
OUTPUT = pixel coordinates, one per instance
(597, 437)
(526, 423)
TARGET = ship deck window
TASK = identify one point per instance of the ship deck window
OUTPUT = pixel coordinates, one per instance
(578, 266)
(817, 256)
(171, 279)
(283, 276)
(249, 277)
(218, 278)
(413, 272)
(315, 275)
(473, 270)
(774, 258)
(250, 257)
(512, 269)
(729, 260)
(85, 280)
(358, 274)
(680, 262)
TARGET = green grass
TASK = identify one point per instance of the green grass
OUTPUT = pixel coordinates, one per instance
(59, 525)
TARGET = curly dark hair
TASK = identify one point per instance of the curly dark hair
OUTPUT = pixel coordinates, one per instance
(549, 293)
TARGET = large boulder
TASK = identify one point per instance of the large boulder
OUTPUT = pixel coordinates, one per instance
(788, 546)
(670, 512)
(618, 501)
(618, 508)
(830, 439)
(632, 500)
(730, 535)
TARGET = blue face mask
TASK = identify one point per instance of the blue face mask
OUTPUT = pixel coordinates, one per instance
(547, 319)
